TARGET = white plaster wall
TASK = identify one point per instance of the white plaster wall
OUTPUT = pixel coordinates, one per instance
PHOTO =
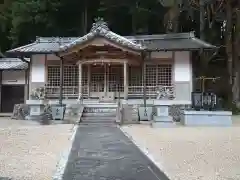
(13, 77)
(38, 68)
(182, 66)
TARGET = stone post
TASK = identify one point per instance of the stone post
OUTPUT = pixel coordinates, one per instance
(89, 80)
(80, 80)
(125, 72)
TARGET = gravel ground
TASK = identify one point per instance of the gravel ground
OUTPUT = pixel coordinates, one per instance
(31, 151)
(194, 153)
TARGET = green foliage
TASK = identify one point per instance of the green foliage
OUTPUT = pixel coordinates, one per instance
(22, 20)
(30, 18)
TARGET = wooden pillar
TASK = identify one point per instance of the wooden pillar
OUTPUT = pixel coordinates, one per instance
(89, 79)
(26, 86)
(80, 80)
(144, 83)
(105, 78)
(125, 72)
(0, 90)
(61, 82)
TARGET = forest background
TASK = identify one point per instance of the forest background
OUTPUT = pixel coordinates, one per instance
(215, 21)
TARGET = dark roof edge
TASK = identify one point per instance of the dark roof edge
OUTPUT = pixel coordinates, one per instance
(197, 40)
(21, 47)
(20, 53)
(180, 49)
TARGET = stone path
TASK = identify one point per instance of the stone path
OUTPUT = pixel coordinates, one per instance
(104, 153)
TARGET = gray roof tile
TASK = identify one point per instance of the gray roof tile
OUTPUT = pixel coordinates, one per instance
(170, 42)
(13, 64)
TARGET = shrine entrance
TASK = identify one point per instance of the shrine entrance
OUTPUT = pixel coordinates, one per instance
(105, 78)
(107, 57)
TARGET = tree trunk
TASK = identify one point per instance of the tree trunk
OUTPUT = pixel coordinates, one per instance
(202, 19)
(232, 90)
(235, 56)
(84, 19)
(202, 56)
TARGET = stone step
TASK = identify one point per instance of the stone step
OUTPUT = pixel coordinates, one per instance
(99, 110)
(90, 118)
(97, 124)
(101, 105)
(107, 114)
(94, 121)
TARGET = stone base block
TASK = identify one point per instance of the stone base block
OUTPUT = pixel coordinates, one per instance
(163, 124)
(20, 111)
(147, 116)
(130, 114)
(206, 118)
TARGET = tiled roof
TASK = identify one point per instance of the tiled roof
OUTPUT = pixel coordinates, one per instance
(174, 41)
(170, 42)
(100, 29)
(13, 64)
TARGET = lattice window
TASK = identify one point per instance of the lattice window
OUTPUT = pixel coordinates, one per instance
(151, 75)
(115, 78)
(70, 75)
(164, 74)
(70, 80)
(53, 76)
(97, 79)
(160, 74)
(135, 76)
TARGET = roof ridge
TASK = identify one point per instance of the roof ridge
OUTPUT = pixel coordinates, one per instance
(55, 39)
(102, 30)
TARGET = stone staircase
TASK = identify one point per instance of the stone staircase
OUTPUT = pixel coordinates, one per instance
(99, 114)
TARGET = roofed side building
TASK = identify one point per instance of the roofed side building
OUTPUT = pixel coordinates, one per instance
(13, 83)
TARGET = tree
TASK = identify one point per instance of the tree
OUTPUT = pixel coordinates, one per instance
(171, 18)
(30, 18)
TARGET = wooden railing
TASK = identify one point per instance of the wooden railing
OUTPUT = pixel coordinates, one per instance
(68, 91)
(151, 91)
(133, 91)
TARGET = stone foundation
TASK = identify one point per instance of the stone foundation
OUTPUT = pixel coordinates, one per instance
(206, 118)
(22, 112)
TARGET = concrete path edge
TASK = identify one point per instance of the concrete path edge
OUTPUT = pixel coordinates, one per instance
(145, 151)
(62, 163)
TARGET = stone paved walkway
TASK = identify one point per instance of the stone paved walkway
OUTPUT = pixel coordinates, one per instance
(105, 153)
